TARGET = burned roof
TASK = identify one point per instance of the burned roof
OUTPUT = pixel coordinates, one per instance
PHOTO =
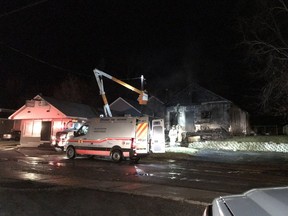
(194, 94)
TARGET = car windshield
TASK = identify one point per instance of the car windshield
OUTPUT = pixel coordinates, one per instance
(82, 131)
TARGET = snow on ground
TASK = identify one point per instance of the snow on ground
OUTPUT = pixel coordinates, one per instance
(229, 146)
(178, 149)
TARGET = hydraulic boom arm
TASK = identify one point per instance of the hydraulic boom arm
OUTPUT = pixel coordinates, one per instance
(142, 99)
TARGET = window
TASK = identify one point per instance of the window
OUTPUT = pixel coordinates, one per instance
(205, 115)
(82, 131)
(173, 118)
(32, 128)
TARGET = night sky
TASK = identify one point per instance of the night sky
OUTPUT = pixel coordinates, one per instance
(172, 43)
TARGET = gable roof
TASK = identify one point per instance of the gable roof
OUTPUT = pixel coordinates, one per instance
(71, 109)
(122, 107)
(153, 98)
(62, 109)
(195, 94)
(127, 106)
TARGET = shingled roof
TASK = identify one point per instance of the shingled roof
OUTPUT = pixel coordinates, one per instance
(194, 94)
(71, 109)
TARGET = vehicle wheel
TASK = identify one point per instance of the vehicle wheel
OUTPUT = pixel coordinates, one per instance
(116, 156)
(71, 153)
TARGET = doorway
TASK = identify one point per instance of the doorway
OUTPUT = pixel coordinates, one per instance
(46, 131)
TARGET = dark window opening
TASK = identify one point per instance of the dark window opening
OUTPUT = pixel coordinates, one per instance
(205, 115)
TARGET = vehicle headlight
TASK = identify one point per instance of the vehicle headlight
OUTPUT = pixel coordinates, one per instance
(7, 136)
(63, 136)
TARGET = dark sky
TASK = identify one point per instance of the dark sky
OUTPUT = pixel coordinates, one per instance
(172, 43)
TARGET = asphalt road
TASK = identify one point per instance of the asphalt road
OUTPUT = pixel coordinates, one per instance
(157, 185)
(61, 201)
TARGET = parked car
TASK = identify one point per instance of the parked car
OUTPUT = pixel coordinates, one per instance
(255, 202)
(13, 135)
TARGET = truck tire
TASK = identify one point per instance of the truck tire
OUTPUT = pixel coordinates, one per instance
(70, 152)
(116, 156)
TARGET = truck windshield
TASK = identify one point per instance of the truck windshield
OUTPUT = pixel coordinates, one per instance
(82, 130)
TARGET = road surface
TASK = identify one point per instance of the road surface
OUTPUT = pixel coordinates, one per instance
(184, 185)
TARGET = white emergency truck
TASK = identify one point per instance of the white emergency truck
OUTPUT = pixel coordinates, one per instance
(115, 137)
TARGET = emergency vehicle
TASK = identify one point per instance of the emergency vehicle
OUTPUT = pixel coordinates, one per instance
(157, 125)
(115, 137)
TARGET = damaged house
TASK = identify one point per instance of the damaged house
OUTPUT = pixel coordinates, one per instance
(203, 113)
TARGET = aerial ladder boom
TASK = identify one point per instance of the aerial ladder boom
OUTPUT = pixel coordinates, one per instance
(142, 99)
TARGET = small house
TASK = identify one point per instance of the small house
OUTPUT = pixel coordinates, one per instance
(41, 117)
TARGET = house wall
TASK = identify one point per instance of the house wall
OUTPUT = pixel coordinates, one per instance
(211, 116)
(285, 129)
(31, 130)
(41, 119)
(239, 121)
(181, 115)
(38, 109)
(17, 125)
(157, 108)
(208, 117)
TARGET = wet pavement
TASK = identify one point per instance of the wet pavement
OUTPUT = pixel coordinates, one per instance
(176, 193)
(31, 193)
(37, 172)
(81, 201)
(189, 195)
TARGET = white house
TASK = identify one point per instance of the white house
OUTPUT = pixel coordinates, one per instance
(42, 117)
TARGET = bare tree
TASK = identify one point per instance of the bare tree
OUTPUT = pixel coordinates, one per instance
(265, 34)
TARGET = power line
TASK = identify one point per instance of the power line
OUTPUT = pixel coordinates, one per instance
(53, 65)
(22, 8)
(40, 60)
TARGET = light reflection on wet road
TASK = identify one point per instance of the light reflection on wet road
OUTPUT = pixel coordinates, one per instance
(216, 171)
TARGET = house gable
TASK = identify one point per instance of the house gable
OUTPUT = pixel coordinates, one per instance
(154, 107)
(122, 107)
(194, 94)
(37, 109)
(46, 108)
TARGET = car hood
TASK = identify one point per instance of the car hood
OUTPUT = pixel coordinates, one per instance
(262, 202)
